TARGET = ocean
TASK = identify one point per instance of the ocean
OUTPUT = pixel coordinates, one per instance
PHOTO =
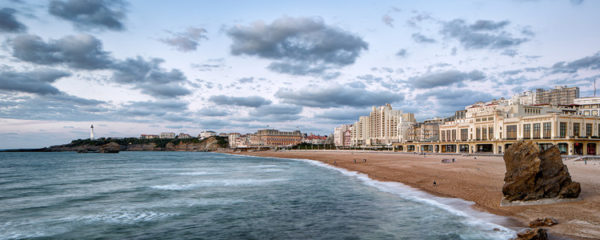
(193, 195)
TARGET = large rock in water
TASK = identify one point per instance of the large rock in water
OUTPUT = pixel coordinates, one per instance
(532, 174)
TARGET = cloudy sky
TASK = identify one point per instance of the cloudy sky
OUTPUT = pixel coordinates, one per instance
(132, 67)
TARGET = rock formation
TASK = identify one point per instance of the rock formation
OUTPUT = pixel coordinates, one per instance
(532, 234)
(111, 147)
(532, 174)
(543, 222)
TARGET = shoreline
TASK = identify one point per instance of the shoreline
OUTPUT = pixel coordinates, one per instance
(477, 180)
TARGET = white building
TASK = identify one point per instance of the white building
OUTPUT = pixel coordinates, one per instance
(167, 135)
(339, 135)
(381, 127)
(207, 134)
(588, 106)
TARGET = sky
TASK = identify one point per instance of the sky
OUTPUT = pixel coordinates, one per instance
(145, 66)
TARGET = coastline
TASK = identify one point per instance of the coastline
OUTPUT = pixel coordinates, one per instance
(476, 180)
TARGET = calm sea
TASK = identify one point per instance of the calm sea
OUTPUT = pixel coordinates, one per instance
(185, 195)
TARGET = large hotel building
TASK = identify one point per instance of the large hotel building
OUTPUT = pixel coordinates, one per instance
(547, 117)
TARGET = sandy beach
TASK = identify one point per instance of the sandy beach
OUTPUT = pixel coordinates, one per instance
(478, 179)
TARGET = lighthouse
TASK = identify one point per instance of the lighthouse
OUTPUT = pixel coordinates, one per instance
(92, 132)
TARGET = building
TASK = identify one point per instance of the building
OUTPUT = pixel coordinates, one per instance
(149, 136)
(275, 138)
(381, 127)
(588, 106)
(184, 136)
(314, 139)
(167, 135)
(342, 135)
(237, 140)
(206, 134)
(493, 126)
(560, 95)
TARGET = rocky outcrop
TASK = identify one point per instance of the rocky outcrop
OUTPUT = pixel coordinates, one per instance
(532, 234)
(111, 147)
(532, 174)
(543, 222)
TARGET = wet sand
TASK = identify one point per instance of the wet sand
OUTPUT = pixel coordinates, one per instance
(479, 180)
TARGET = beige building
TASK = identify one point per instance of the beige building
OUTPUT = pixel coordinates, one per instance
(342, 135)
(493, 126)
(560, 95)
(588, 106)
(381, 127)
(167, 135)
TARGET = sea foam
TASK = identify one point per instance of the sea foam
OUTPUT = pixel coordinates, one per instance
(482, 220)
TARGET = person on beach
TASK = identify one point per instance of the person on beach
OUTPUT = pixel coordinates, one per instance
(365, 160)
(434, 183)
(355, 160)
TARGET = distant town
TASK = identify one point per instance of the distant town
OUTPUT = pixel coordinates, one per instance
(557, 116)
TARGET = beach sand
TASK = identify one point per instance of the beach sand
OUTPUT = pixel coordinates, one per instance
(479, 180)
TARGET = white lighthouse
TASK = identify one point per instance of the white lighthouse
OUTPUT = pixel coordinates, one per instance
(92, 132)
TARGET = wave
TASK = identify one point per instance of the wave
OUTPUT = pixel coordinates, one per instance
(126, 217)
(484, 221)
(221, 182)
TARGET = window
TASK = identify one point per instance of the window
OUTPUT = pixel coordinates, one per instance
(588, 129)
(576, 129)
(511, 132)
(547, 130)
(526, 131)
(464, 134)
(491, 133)
(563, 129)
(453, 134)
(484, 133)
(536, 130)
(443, 135)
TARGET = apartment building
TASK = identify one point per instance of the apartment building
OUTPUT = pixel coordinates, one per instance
(381, 127)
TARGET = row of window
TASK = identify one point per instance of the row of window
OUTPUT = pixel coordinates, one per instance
(576, 130)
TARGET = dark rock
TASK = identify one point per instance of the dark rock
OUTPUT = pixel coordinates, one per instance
(111, 147)
(532, 174)
(543, 222)
(532, 234)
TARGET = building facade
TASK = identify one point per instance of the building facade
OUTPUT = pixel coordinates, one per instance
(275, 138)
(167, 135)
(588, 106)
(560, 95)
(342, 135)
(493, 126)
(381, 127)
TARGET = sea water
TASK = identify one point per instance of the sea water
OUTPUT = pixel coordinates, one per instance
(188, 195)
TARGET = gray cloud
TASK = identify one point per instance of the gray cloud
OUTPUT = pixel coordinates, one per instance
(388, 20)
(343, 114)
(402, 53)
(246, 80)
(445, 78)
(150, 77)
(37, 81)
(186, 41)
(450, 100)
(213, 112)
(299, 46)
(480, 25)
(420, 38)
(588, 62)
(58, 106)
(277, 112)
(79, 51)
(481, 34)
(337, 96)
(251, 101)
(152, 108)
(86, 14)
(8, 22)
